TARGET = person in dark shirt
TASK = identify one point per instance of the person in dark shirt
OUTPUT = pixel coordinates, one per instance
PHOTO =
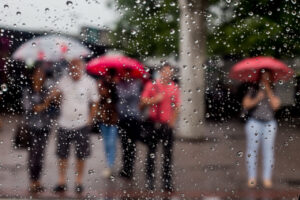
(38, 125)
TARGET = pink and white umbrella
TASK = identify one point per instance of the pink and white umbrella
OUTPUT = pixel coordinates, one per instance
(50, 48)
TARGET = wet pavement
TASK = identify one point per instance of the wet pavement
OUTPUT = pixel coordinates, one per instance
(209, 168)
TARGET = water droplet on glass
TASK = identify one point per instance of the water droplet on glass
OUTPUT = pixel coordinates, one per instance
(18, 13)
(133, 32)
(4, 87)
(6, 6)
(240, 154)
(250, 13)
(33, 44)
(69, 3)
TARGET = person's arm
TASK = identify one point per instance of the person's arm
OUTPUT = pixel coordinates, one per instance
(147, 100)
(152, 100)
(93, 113)
(174, 117)
(274, 100)
(94, 98)
(175, 114)
(54, 95)
(249, 102)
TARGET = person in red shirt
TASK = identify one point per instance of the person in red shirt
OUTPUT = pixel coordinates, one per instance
(162, 97)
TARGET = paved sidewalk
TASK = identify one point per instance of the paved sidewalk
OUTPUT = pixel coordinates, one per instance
(212, 167)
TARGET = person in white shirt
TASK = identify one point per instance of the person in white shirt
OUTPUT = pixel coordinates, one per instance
(78, 96)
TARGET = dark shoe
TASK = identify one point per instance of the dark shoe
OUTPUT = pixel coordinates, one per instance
(79, 189)
(150, 184)
(37, 189)
(126, 175)
(168, 188)
(60, 188)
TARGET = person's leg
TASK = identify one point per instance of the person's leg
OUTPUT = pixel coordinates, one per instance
(105, 134)
(167, 141)
(79, 171)
(129, 137)
(62, 171)
(268, 140)
(36, 155)
(63, 148)
(126, 148)
(152, 142)
(111, 145)
(82, 151)
(253, 129)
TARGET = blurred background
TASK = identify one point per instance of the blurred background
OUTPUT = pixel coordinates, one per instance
(203, 39)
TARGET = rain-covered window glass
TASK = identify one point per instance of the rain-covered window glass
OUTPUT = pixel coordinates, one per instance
(149, 99)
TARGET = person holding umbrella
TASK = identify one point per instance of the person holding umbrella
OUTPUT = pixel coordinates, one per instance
(108, 118)
(78, 97)
(129, 91)
(120, 81)
(260, 102)
(38, 126)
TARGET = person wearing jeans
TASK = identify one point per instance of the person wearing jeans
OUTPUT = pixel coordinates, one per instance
(108, 118)
(261, 128)
(110, 136)
(260, 133)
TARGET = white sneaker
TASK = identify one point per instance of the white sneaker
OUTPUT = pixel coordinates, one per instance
(107, 172)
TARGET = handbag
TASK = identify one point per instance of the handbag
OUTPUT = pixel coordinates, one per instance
(22, 137)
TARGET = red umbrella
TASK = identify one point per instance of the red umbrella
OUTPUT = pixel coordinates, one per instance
(248, 70)
(99, 66)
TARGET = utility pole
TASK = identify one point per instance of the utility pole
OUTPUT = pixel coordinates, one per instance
(192, 58)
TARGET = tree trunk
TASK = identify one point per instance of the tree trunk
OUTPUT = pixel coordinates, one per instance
(192, 57)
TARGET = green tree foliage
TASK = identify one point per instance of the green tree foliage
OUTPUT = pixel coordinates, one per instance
(238, 28)
(257, 27)
(147, 27)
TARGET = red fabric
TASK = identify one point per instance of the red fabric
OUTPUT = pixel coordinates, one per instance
(248, 70)
(163, 111)
(99, 66)
(64, 48)
(41, 55)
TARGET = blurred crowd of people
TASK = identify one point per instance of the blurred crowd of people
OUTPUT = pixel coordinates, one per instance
(122, 107)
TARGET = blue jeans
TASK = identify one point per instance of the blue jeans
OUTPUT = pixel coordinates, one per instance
(264, 133)
(109, 133)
